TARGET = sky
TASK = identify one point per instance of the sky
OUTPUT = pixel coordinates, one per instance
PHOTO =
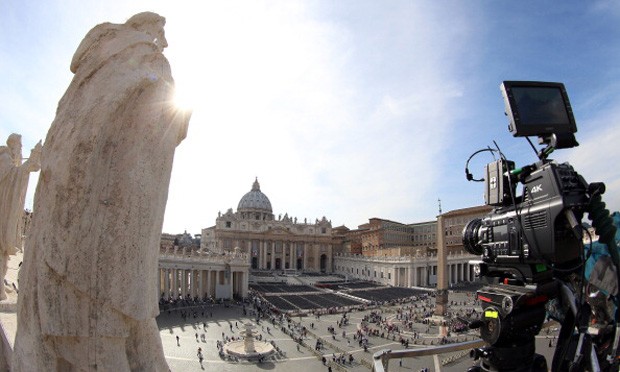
(344, 109)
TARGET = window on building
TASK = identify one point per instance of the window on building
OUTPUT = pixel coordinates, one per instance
(228, 224)
(389, 276)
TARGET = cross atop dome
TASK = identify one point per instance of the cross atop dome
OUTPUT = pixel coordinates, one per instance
(256, 185)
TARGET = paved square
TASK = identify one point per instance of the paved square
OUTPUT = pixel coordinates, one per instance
(228, 320)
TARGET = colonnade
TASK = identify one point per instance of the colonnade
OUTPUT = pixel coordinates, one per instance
(459, 272)
(404, 273)
(417, 275)
(216, 283)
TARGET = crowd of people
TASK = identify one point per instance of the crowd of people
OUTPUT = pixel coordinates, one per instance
(406, 321)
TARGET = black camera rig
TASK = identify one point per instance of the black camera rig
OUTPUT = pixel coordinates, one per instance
(531, 245)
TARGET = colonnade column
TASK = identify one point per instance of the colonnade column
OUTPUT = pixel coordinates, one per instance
(166, 283)
(230, 283)
(190, 283)
(420, 276)
(175, 283)
(199, 284)
(454, 274)
(196, 284)
(407, 276)
(208, 290)
(160, 279)
(244, 285)
(183, 283)
(193, 283)
(273, 255)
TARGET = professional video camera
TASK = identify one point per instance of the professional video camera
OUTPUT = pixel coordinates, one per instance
(531, 245)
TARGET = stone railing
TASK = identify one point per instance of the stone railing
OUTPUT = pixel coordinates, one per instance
(200, 256)
(411, 258)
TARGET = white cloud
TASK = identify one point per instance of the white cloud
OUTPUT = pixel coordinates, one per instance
(596, 157)
(281, 96)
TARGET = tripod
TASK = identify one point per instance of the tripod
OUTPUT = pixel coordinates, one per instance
(513, 316)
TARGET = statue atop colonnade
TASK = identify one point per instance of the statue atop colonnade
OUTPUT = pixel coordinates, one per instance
(14, 177)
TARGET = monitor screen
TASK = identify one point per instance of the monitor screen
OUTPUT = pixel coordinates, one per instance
(537, 108)
(540, 105)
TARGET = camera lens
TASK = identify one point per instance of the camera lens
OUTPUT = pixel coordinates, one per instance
(471, 237)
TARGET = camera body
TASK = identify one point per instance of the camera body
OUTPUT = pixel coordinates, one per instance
(535, 232)
(528, 234)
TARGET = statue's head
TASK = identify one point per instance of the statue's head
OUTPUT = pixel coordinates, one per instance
(151, 23)
(14, 143)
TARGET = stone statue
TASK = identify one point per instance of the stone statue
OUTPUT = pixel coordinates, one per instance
(13, 184)
(88, 297)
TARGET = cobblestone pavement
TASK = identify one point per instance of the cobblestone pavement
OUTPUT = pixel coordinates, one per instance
(229, 320)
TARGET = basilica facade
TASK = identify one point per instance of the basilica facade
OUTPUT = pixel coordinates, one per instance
(281, 244)
(218, 262)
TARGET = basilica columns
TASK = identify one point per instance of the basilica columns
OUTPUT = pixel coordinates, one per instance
(305, 260)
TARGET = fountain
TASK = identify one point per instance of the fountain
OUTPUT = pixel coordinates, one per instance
(249, 347)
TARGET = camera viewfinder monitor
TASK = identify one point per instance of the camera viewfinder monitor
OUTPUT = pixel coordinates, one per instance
(537, 108)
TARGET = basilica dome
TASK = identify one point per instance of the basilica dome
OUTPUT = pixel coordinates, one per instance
(255, 201)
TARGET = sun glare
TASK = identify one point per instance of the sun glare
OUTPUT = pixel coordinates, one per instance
(183, 99)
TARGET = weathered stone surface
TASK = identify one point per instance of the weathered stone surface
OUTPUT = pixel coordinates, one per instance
(88, 299)
(13, 184)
